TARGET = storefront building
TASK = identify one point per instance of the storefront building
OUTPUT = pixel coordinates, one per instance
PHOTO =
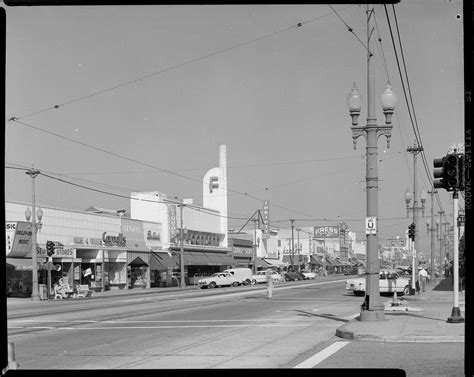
(103, 251)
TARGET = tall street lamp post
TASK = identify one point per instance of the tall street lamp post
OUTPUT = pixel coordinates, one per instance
(430, 223)
(372, 308)
(33, 173)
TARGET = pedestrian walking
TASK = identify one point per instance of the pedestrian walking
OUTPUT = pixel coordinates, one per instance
(423, 277)
(269, 283)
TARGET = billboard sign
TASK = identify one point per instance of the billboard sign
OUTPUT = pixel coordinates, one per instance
(326, 231)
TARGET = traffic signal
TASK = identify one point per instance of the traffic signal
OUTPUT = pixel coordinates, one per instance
(411, 231)
(461, 172)
(49, 248)
(438, 173)
(451, 172)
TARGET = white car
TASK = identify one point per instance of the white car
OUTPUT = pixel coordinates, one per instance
(390, 281)
(261, 277)
(219, 279)
(309, 274)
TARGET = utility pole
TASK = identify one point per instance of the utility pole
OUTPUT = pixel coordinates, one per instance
(298, 247)
(416, 149)
(254, 256)
(182, 283)
(292, 243)
(439, 225)
(432, 229)
(33, 173)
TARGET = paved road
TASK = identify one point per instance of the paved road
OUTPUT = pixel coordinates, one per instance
(239, 329)
(416, 359)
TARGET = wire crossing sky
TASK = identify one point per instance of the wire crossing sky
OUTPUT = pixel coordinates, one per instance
(164, 86)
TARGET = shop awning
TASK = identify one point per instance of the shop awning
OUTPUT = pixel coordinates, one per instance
(161, 261)
(196, 258)
(259, 262)
(329, 262)
(227, 260)
(133, 255)
(20, 264)
(316, 260)
(275, 262)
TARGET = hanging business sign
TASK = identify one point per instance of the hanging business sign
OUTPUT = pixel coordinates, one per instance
(172, 222)
(266, 219)
(20, 244)
(370, 225)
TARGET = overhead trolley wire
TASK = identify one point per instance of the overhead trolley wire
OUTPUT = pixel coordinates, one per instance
(412, 117)
(351, 30)
(144, 77)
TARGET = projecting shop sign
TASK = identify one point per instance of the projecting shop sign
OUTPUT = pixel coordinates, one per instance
(370, 225)
(266, 219)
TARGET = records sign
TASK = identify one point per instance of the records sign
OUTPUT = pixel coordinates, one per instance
(266, 219)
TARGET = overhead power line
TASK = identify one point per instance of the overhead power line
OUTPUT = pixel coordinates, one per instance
(150, 75)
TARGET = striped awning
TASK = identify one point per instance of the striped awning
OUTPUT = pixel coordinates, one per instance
(316, 260)
(162, 261)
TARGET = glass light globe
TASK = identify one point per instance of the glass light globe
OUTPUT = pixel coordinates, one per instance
(408, 195)
(423, 195)
(39, 213)
(28, 214)
(354, 100)
(388, 99)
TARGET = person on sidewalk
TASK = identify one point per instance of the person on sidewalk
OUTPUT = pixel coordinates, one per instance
(269, 283)
(423, 277)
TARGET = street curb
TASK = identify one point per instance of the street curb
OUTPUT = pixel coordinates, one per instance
(344, 333)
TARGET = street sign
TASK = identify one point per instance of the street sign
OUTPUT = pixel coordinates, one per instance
(370, 225)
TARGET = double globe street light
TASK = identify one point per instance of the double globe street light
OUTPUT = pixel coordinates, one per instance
(372, 309)
(35, 226)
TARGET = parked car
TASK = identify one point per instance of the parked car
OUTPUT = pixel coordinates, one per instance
(390, 281)
(261, 277)
(351, 271)
(293, 275)
(309, 274)
(243, 276)
(219, 279)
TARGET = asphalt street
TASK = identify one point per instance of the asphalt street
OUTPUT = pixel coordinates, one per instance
(242, 329)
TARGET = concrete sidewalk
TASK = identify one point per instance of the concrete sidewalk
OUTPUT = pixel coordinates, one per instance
(418, 318)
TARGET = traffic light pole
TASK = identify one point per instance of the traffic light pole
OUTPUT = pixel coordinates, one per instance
(456, 312)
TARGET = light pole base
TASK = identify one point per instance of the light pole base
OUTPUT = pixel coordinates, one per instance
(372, 315)
(455, 316)
(35, 297)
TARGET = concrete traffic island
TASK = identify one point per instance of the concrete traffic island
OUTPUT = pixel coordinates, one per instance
(417, 318)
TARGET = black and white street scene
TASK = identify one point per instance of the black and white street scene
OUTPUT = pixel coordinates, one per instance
(236, 186)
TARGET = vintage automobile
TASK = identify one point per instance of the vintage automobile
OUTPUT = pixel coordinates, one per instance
(261, 277)
(309, 274)
(293, 275)
(390, 281)
(219, 279)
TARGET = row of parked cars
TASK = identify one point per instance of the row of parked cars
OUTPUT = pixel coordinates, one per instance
(244, 276)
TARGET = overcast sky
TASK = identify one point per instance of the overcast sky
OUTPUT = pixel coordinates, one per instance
(164, 86)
